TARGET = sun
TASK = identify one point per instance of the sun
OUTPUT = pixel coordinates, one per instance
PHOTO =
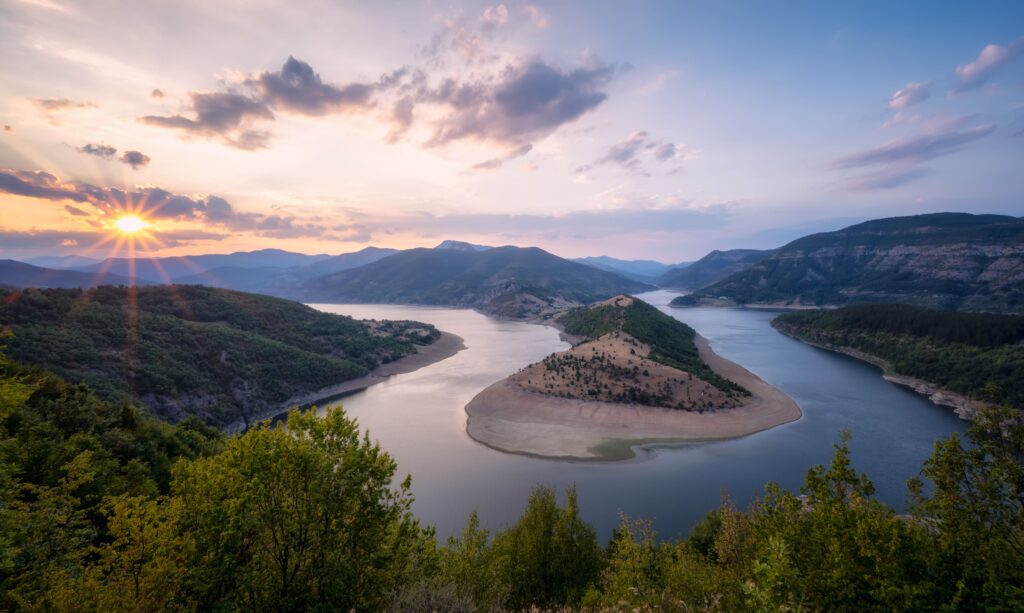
(130, 224)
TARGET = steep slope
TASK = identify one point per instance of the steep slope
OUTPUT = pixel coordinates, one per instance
(645, 271)
(167, 269)
(20, 274)
(190, 350)
(942, 260)
(506, 281)
(713, 267)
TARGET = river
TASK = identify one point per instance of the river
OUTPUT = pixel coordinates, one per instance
(418, 417)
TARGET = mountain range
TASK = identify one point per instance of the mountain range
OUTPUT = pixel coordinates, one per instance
(20, 274)
(713, 267)
(941, 260)
(504, 281)
(645, 271)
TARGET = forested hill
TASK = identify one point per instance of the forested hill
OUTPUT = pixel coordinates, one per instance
(630, 352)
(193, 350)
(505, 281)
(977, 355)
(942, 260)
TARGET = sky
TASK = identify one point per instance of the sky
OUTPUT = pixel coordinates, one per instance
(637, 129)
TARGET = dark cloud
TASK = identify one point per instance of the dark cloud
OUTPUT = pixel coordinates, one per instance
(8, 128)
(74, 210)
(135, 159)
(227, 115)
(524, 102)
(628, 153)
(916, 149)
(38, 184)
(156, 93)
(104, 151)
(297, 88)
(993, 57)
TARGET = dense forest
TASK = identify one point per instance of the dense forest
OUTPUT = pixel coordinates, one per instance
(671, 341)
(103, 508)
(977, 355)
(192, 350)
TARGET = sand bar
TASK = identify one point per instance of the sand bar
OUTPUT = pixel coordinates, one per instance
(509, 418)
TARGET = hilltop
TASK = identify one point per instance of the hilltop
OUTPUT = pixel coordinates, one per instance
(506, 281)
(191, 350)
(943, 260)
(634, 375)
(19, 274)
(713, 267)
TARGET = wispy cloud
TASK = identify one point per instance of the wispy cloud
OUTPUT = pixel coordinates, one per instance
(135, 159)
(910, 94)
(993, 57)
(629, 153)
(901, 159)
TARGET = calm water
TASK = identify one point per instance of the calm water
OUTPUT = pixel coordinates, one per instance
(419, 418)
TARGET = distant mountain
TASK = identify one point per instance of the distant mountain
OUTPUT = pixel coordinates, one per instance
(645, 271)
(461, 246)
(282, 281)
(20, 274)
(942, 260)
(167, 269)
(61, 262)
(713, 267)
(505, 281)
(188, 350)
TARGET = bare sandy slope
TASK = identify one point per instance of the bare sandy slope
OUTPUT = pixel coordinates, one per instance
(508, 417)
(444, 347)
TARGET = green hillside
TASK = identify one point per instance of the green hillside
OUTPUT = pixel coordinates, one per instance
(509, 281)
(942, 260)
(193, 350)
(977, 355)
(671, 341)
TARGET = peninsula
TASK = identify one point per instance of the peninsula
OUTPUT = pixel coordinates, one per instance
(634, 377)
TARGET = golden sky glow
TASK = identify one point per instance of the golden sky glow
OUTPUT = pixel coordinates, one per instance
(130, 224)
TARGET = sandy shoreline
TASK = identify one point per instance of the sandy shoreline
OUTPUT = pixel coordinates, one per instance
(509, 418)
(443, 348)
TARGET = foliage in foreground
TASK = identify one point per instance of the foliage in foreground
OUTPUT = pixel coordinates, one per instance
(306, 516)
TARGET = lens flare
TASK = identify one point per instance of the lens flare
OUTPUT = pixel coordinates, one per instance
(130, 224)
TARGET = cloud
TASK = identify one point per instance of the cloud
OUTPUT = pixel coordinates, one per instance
(993, 57)
(59, 104)
(298, 89)
(493, 18)
(74, 210)
(157, 93)
(525, 101)
(495, 163)
(538, 17)
(916, 149)
(628, 153)
(104, 151)
(154, 202)
(61, 241)
(135, 159)
(902, 157)
(228, 115)
(8, 128)
(911, 93)
(884, 179)
(640, 217)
